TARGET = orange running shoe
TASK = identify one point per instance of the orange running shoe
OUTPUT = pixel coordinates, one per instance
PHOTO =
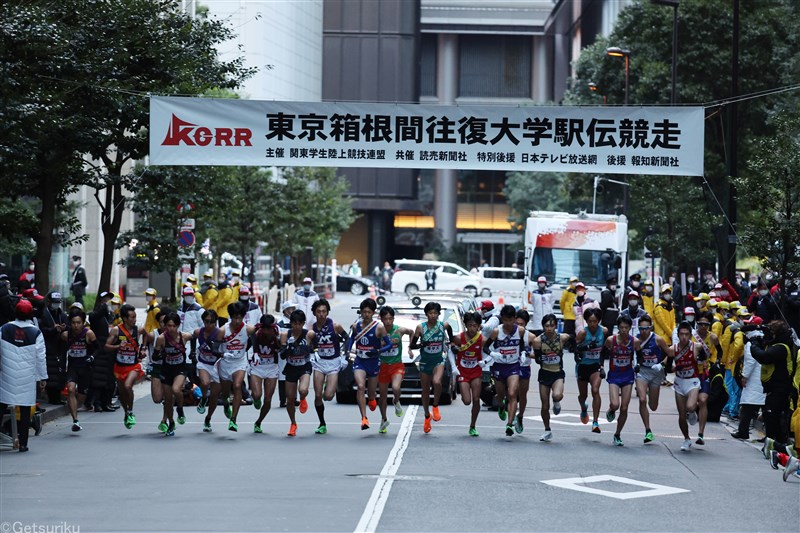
(364, 423)
(436, 415)
(372, 404)
(303, 406)
(427, 426)
(292, 430)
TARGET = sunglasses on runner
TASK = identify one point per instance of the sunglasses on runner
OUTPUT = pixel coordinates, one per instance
(704, 323)
(645, 328)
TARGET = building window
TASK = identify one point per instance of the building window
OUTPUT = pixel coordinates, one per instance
(427, 64)
(494, 66)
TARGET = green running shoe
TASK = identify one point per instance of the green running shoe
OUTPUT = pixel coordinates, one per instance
(257, 403)
(181, 420)
(321, 430)
(206, 427)
(163, 427)
(131, 420)
(518, 424)
(617, 440)
(648, 437)
(509, 431)
(501, 411)
(257, 428)
(201, 407)
(228, 410)
(384, 426)
(473, 432)
(232, 426)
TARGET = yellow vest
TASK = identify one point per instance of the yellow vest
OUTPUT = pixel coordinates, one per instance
(566, 302)
(150, 322)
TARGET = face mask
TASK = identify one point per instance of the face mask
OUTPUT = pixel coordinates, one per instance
(581, 293)
(235, 279)
(690, 319)
(667, 297)
(672, 280)
(612, 287)
(763, 292)
(31, 267)
(633, 305)
(244, 299)
(150, 298)
(222, 280)
(307, 287)
(572, 284)
(189, 299)
(690, 280)
(543, 286)
(634, 283)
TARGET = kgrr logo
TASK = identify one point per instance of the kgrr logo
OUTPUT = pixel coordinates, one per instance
(186, 133)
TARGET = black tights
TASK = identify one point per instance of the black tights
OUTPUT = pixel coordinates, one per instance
(24, 423)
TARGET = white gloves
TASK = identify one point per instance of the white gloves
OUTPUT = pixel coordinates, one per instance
(454, 371)
(343, 362)
(524, 360)
(486, 362)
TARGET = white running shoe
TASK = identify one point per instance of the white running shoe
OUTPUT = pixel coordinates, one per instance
(556, 408)
(791, 467)
(692, 418)
(686, 445)
(384, 426)
(547, 436)
(398, 409)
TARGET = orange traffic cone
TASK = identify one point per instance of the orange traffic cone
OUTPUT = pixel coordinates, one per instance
(372, 294)
(328, 293)
(501, 300)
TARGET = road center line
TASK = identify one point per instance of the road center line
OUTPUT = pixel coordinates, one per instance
(383, 485)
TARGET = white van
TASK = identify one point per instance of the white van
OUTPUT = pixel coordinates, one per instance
(511, 281)
(409, 277)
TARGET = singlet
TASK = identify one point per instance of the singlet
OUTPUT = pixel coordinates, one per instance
(591, 356)
(552, 353)
(508, 345)
(621, 356)
(266, 351)
(126, 354)
(327, 340)
(151, 348)
(174, 354)
(235, 342)
(77, 351)
(434, 336)
(651, 352)
(469, 356)
(366, 342)
(204, 351)
(685, 362)
(298, 354)
(395, 354)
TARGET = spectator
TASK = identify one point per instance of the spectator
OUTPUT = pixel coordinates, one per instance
(753, 396)
(792, 308)
(773, 352)
(608, 304)
(762, 304)
(708, 282)
(692, 287)
(566, 303)
(54, 322)
(355, 270)
(8, 300)
(582, 303)
(79, 281)
(634, 284)
(386, 276)
(743, 288)
(541, 301)
(22, 366)
(103, 383)
(664, 313)
(430, 279)
(305, 298)
(27, 280)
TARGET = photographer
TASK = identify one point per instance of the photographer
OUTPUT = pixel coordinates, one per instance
(774, 351)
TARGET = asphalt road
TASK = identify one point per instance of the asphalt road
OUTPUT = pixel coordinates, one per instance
(107, 478)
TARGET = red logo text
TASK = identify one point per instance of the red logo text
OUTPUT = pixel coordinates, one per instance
(186, 133)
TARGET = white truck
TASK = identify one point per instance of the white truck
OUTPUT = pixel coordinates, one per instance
(560, 245)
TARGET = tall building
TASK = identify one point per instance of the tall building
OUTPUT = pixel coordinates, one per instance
(448, 52)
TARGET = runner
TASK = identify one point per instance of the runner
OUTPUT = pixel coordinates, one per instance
(122, 340)
(209, 353)
(191, 315)
(620, 373)
(368, 340)
(264, 368)
(392, 368)
(297, 343)
(153, 369)
(589, 359)
(548, 349)
(80, 342)
(431, 337)
(504, 346)
(233, 366)
(328, 359)
(523, 320)
(649, 372)
(685, 356)
(284, 324)
(465, 360)
(171, 349)
(711, 346)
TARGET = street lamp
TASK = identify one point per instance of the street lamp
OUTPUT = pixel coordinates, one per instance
(593, 87)
(616, 51)
(673, 98)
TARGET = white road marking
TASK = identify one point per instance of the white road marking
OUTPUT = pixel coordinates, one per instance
(579, 484)
(559, 419)
(374, 509)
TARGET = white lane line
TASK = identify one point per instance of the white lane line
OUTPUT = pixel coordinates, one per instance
(383, 485)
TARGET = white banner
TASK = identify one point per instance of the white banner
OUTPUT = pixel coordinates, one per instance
(602, 140)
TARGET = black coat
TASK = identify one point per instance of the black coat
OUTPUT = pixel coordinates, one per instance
(79, 281)
(103, 366)
(54, 347)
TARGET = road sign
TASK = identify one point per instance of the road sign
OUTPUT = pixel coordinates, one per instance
(187, 224)
(185, 239)
(186, 254)
(185, 206)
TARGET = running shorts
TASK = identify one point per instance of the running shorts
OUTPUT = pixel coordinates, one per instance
(327, 366)
(525, 372)
(81, 376)
(621, 378)
(370, 365)
(389, 370)
(428, 363)
(170, 372)
(585, 371)
(652, 377)
(465, 375)
(268, 370)
(212, 370)
(502, 371)
(228, 367)
(548, 378)
(705, 386)
(121, 371)
(294, 373)
(683, 386)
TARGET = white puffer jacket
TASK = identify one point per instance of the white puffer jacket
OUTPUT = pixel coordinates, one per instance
(22, 362)
(753, 392)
